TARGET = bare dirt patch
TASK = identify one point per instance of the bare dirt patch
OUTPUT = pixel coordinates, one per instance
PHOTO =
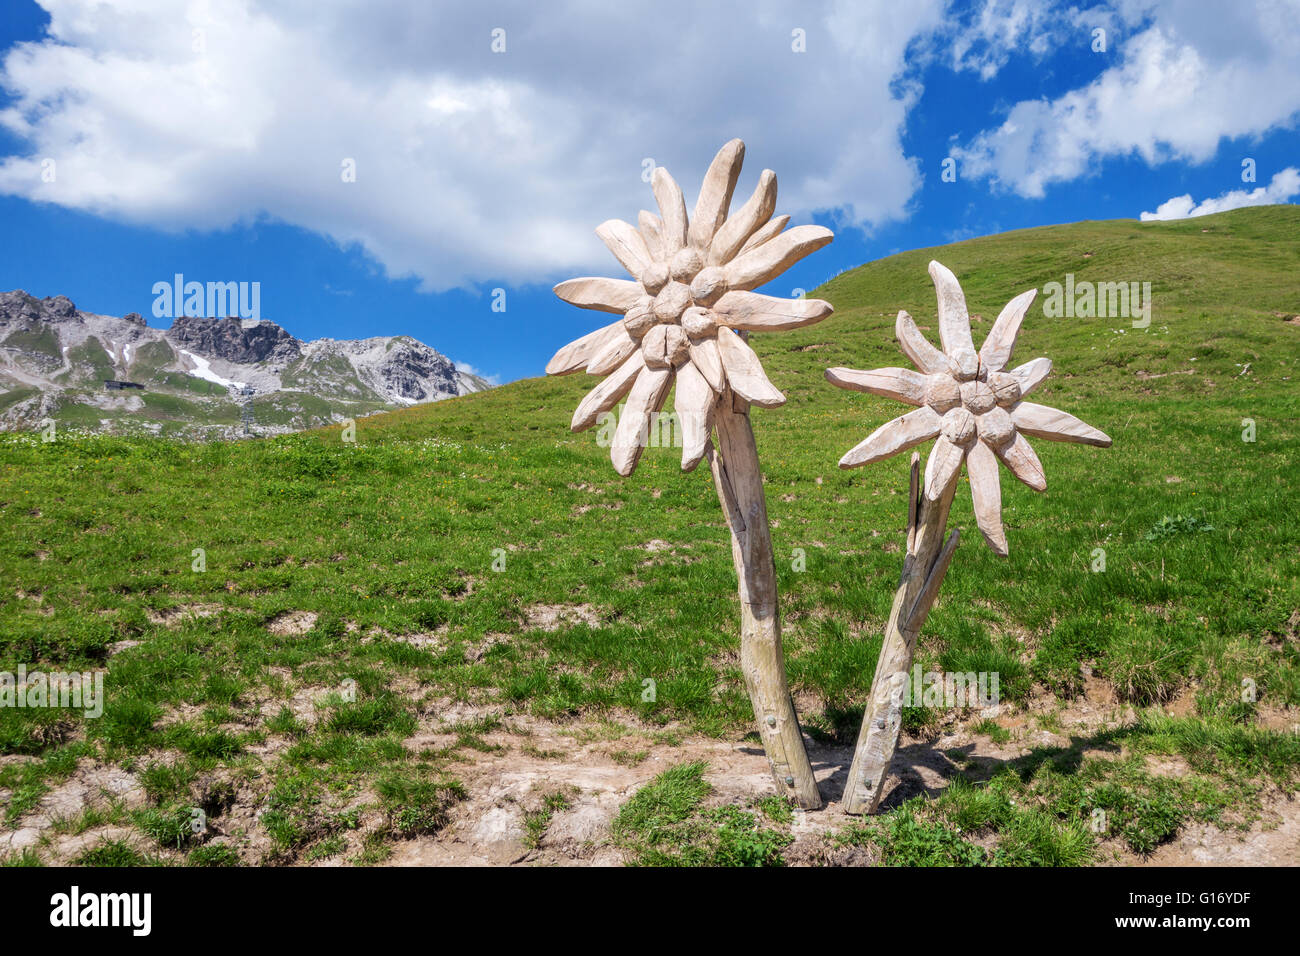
(174, 616)
(588, 766)
(475, 651)
(425, 640)
(292, 623)
(552, 617)
(91, 786)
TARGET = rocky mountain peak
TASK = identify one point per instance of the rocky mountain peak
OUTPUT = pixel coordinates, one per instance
(23, 309)
(233, 341)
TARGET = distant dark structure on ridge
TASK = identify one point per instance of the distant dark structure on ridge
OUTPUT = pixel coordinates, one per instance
(115, 385)
(246, 412)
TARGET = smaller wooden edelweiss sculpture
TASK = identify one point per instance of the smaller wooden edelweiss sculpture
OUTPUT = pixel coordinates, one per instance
(974, 408)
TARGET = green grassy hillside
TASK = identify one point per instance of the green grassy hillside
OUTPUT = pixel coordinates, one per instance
(601, 583)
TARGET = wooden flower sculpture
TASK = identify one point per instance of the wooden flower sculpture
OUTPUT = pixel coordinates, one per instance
(680, 313)
(968, 402)
(684, 316)
(974, 409)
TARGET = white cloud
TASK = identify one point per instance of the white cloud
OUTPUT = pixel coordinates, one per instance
(985, 40)
(1187, 79)
(1281, 188)
(472, 167)
(471, 370)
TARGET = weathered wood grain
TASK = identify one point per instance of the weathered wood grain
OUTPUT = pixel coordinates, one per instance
(739, 484)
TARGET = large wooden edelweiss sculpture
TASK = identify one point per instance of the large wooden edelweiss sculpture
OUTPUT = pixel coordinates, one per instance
(683, 319)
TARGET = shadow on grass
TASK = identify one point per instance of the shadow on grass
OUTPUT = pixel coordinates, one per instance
(910, 760)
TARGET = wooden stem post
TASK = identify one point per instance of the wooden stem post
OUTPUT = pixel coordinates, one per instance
(928, 557)
(739, 484)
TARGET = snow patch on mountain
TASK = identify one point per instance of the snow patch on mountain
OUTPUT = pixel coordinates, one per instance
(203, 369)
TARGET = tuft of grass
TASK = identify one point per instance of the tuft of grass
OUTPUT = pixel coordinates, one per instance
(668, 799)
(115, 853)
(163, 782)
(628, 758)
(536, 821)
(993, 730)
(664, 824)
(28, 856)
(908, 841)
(1172, 525)
(170, 827)
(214, 854)
(384, 714)
(416, 807)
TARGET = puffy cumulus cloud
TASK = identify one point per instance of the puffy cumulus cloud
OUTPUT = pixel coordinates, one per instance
(1281, 188)
(470, 166)
(1186, 78)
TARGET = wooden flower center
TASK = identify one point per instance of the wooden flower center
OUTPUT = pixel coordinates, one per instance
(942, 393)
(672, 300)
(977, 396)
(959, 426)
(1006, 388)
(996, 429)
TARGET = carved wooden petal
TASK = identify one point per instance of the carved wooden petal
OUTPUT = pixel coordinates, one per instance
(575, 356)
(1056, 425)
(986, 495)
(615, 352)
(773, 228)
(1024, 463)
(733, 233)
(941, 467)
(1001, 340)
(920, 424)
(607, 394)
(715, 195)
(627, 244)
(954, 321)
(693, 404)
(604, 295)
(745, 372)
(1031, 374)
(651, 227)
(647, 397)
(705, 357)
(672, 208)
(764, 313)
(901, 384)
(775, 256)
(917, 347)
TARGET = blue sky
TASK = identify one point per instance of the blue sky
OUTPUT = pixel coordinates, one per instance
(209, 140)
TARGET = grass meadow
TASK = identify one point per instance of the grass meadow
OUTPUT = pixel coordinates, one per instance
(475, 552)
